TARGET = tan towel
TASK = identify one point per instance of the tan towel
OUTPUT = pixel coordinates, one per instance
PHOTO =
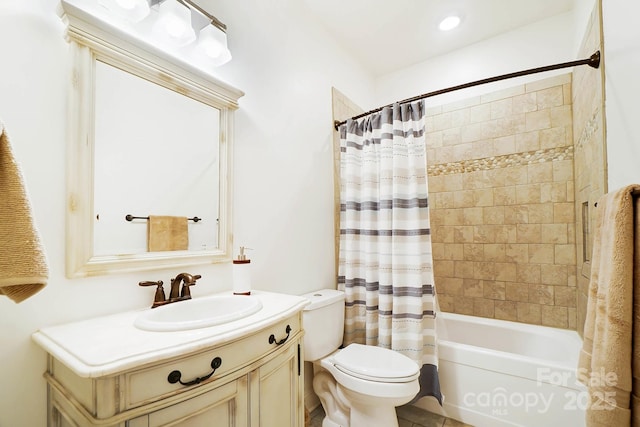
(167, 233)
(605, 363)
(23, 264)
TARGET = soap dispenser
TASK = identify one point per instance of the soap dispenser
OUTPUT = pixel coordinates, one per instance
(242, 274)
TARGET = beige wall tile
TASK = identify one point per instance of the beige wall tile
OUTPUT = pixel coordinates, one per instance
(516, 214)
(442, 269)
(528, 273)
(463, 269)
(525, 103)
(563, 213)
(550, 97)
(494, 290)
(473, 288)
(541, 253)
(484, 270)
(472, 216)
(494, 252)
(484, 234)
(561, 116)
(506, 310)
(537, 120)
(528, 233)
(473, 252)
(565, 296)
(517, 292)
(506, 271)
(451, 286)
(483, 197)
(480, 113)
(554, 233)
(463, 234)
(529, 193)
(504, 196)
(556, 317)
(541, 294)
(504, 93)
(558, 80)
(502, 199)
(453, 251)
(463, 199)
(446, 303)
(463, 305)
(492, 214)
(565, 254)
(529, 313)
(505, 233)
(541, 213)
(553, 137)
(483, 307)
(518, 253)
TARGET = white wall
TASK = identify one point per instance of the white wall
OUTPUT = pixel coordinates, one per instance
(542, 43)
(622, 91)
(283, 170)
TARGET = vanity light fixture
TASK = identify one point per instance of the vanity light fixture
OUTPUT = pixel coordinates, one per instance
(176, 22)
(130, 10)
(173, 24)
(449, 23)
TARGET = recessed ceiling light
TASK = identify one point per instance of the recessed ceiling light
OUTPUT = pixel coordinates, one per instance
(449, 23)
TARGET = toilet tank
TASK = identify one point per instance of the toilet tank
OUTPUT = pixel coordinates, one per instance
(323, 322)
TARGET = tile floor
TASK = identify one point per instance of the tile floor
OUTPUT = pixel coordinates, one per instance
(408, 416)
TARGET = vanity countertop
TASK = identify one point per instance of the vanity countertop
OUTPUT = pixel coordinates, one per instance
(105, 345)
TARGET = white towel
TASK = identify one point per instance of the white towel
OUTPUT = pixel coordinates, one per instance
(23, 264)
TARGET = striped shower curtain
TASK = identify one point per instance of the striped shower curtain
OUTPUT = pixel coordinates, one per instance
(385, 260)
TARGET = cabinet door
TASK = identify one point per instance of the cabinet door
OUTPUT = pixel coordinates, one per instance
(277, 387)
(225, 406)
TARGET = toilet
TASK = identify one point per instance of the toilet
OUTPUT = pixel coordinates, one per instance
(358, 385)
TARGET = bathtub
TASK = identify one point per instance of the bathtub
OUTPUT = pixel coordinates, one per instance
(500, 373)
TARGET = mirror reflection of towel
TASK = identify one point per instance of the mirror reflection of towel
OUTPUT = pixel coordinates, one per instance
(167, 233)
(23, 264)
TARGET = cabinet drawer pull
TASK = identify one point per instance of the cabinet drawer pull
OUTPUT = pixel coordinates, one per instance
(174, 376)
(272, 338)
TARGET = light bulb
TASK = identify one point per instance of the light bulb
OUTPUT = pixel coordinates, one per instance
(212, 41)
(127, 4)
(449, 23)
(129, 10)
(174, 24)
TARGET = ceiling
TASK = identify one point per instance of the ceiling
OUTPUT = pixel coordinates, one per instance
(409, 28)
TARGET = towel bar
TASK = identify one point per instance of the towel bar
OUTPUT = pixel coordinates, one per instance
(634, 193)
(130, 217)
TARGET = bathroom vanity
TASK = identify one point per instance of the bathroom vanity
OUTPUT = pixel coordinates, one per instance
(246, 372)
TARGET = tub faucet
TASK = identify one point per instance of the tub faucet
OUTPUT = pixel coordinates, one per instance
(186, 280)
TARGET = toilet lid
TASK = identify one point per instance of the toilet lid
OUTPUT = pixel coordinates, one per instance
(376, 363)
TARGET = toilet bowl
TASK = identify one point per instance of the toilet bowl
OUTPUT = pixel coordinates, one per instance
(359, 385)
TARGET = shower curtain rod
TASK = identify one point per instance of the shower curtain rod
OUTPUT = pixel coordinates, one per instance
(593, 61)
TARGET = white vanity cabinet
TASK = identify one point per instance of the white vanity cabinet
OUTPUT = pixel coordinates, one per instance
(252, 376)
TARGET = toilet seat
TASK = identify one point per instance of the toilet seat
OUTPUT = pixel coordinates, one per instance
(376, 364)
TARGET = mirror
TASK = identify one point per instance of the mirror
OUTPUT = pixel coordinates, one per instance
(150, 134)
(164, 161)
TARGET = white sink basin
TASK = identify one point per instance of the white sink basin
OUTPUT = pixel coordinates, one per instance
(198, 313)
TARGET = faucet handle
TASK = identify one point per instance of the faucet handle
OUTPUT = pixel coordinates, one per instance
(159, 296)
(185, 292)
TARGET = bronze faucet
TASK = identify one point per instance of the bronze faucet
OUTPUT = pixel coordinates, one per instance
(187, 280)
(176, 293)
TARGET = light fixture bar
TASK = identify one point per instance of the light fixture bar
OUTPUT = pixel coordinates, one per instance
(214, 21)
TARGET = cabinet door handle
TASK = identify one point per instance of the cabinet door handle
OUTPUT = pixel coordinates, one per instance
(272, 338)
(175, 376)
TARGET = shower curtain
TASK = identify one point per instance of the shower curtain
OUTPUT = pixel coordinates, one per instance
(385, 259)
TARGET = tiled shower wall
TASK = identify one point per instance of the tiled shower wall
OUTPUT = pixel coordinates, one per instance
(502, 205)
(590, 155)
